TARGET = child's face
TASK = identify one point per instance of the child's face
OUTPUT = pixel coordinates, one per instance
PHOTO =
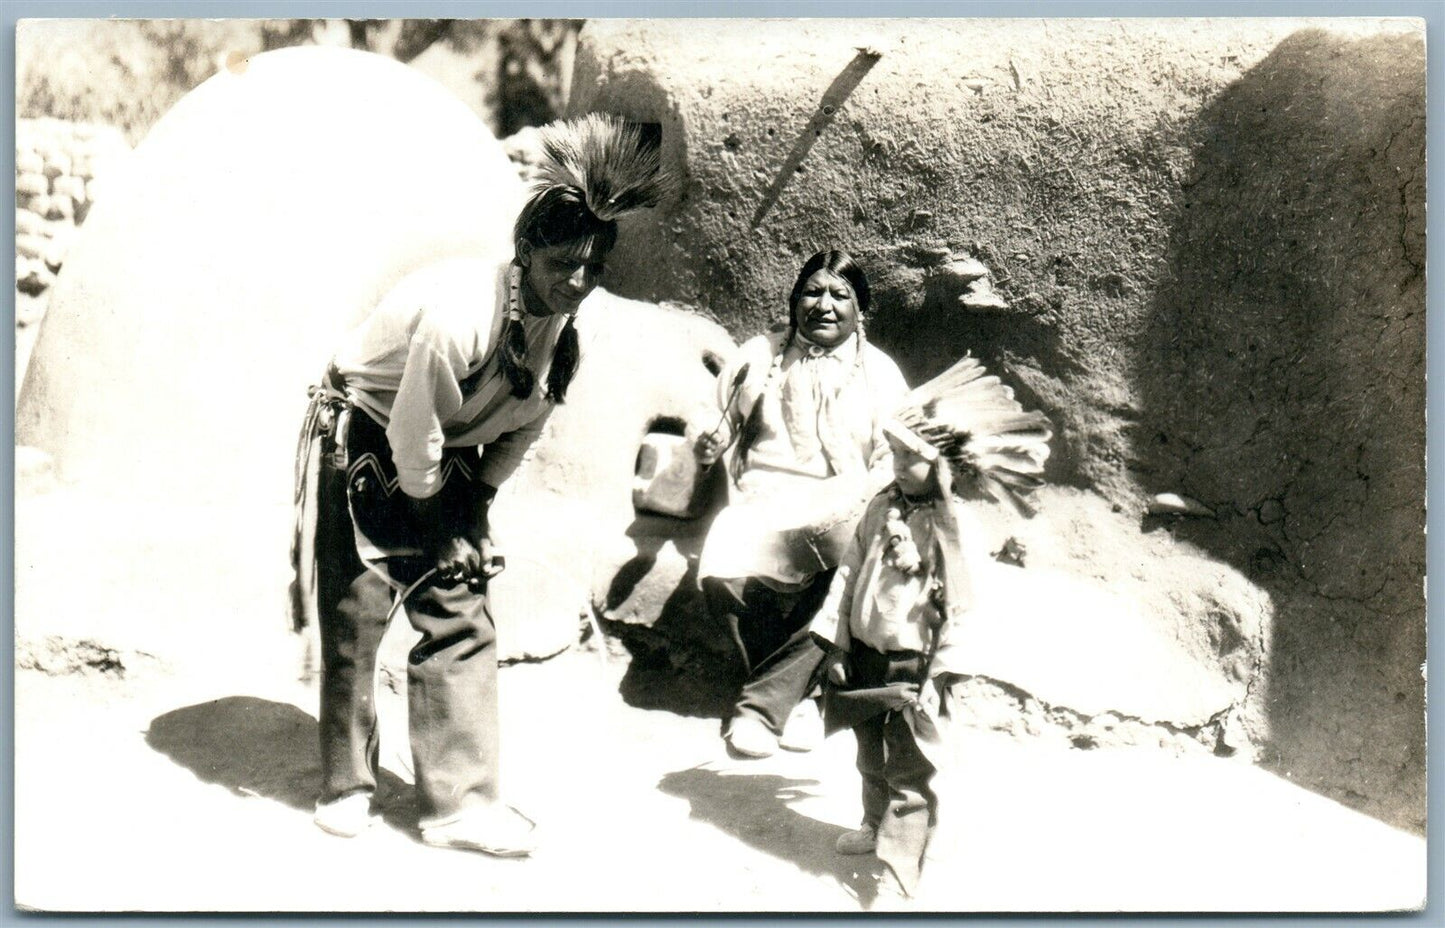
(911, 470)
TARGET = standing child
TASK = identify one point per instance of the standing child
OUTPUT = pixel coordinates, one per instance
(899, 591)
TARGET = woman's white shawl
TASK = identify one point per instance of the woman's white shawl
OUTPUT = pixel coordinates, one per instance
(818, 459)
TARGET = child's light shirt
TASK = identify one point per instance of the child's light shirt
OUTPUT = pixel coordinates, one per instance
(881, 606)
(893, 610)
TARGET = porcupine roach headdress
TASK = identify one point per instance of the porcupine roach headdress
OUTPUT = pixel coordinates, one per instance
(970, 419)
(593, 170)
(606, 160)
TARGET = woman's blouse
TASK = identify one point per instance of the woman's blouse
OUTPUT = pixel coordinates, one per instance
(817, 458)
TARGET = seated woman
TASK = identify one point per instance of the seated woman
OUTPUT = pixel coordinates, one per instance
(802, 411)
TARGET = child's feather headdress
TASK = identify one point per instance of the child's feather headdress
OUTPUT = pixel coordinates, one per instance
(607, 160)
(969, 418)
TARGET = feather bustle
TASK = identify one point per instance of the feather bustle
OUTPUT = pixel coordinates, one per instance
(991, 443)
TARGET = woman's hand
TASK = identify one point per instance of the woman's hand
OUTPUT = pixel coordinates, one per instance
(906, 557)
(707, 448)
(901, 550)
(838, 669)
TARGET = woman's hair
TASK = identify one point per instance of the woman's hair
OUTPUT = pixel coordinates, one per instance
(554, 216)
(834, 262)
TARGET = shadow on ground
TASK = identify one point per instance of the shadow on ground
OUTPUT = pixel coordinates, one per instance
(686, 683)
(684, 662)
(756, 810)
(255, 747)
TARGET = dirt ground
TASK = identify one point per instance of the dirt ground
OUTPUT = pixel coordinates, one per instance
(143, 785)
(166, 760)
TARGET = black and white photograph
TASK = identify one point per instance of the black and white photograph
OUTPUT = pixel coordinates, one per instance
(723, 464)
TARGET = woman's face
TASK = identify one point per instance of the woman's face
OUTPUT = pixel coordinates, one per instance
(559, 277)
(827, 310)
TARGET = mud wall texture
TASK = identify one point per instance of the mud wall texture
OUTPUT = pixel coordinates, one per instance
(1282, 381)
(1198, 245)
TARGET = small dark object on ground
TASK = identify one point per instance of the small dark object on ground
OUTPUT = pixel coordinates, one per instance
(1013, 552)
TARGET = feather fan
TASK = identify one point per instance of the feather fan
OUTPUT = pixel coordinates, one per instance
(607, 160)
(991, 443)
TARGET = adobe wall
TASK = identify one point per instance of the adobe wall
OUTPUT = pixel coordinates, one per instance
(1198, 245)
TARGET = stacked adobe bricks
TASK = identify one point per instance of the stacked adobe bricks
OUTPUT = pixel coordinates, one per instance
(57, 166)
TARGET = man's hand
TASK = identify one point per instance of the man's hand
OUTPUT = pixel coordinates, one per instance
(456, 543)
(461, 561)
(493, 563)
(457, 560)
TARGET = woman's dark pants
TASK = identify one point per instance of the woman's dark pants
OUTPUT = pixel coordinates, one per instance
(770, 629)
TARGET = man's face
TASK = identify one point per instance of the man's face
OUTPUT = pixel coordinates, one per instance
(558, 278)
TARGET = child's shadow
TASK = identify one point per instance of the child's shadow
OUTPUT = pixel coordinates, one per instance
(757, 811)
(255, 747)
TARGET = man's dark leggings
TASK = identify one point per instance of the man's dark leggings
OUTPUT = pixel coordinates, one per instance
(451, 672)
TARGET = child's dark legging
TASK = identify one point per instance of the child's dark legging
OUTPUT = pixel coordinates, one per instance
(898, 798)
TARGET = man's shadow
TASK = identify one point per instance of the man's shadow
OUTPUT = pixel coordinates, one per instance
(255, 747)
(756, 810)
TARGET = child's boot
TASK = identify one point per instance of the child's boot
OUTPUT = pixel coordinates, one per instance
(862, 841)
